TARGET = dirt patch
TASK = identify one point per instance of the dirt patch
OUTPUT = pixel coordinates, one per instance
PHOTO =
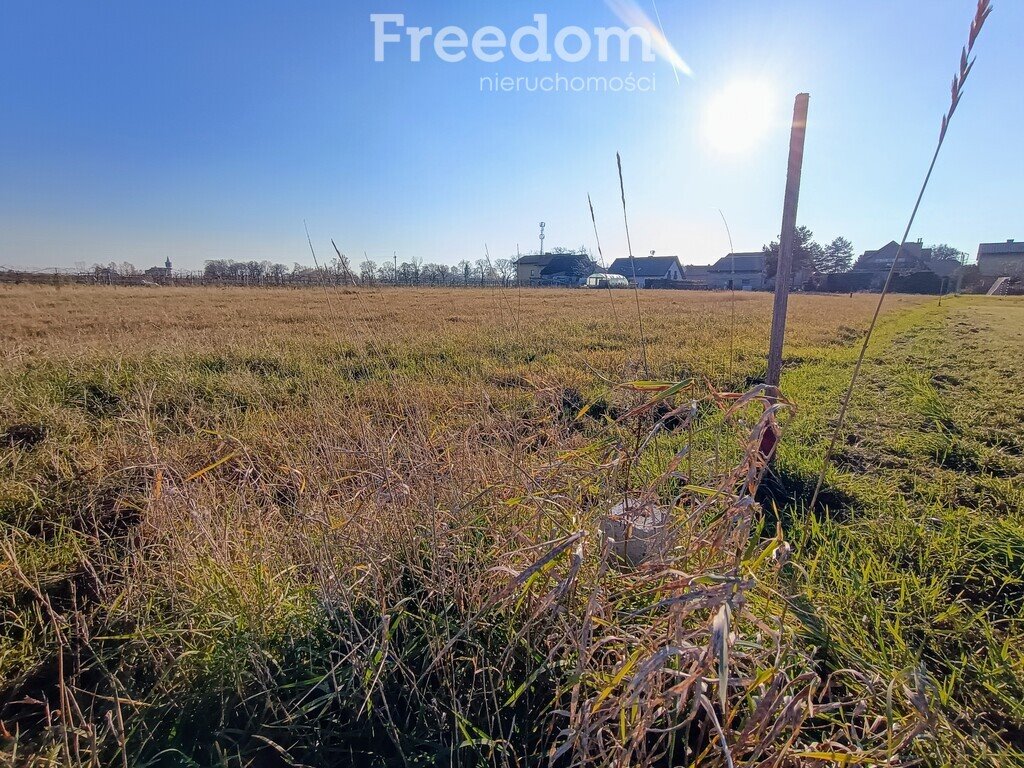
(24, 436)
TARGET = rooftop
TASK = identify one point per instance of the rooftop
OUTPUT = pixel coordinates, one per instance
(569, 263)
(535, 259)
(882, 258)
(749, 261)
(645, 266)
(1009, 248)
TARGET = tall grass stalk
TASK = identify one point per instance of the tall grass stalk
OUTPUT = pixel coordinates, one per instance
(959, 80)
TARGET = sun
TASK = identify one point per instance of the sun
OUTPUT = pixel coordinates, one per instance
(739, 115)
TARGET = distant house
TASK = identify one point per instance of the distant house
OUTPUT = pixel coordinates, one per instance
(649, 269)
(528, 268)
(698, 273)
(914, 257)
(1001, 259)
(160, 273)
(554, 268)
(918, 271)
(739, 271)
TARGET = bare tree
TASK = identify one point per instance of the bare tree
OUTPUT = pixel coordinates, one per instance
(278, 272)
(340, 269)
(406, 271)
(483, 267)
(254, 270)
(368, 272)
(506, 269)
(386, 273)
(432, 274)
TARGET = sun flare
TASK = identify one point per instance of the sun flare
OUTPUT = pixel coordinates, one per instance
(739, 115)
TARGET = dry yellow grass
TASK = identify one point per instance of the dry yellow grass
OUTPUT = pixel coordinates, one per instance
(303, 510)
(684, 328)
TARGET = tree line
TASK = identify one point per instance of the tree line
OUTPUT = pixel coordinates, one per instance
(338, 271)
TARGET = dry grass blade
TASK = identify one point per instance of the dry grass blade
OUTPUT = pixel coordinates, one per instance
(632, 263)
(537, 566)
(720, 648)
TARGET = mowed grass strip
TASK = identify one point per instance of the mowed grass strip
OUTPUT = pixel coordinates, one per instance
(913, 568)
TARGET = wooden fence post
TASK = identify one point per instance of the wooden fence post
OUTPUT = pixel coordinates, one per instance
(784, 269)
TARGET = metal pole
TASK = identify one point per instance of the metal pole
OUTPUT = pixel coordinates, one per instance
(784, 271)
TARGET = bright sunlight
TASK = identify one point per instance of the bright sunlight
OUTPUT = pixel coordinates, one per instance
(739, 115)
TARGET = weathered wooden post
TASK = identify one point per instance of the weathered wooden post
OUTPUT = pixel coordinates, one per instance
(784, 270)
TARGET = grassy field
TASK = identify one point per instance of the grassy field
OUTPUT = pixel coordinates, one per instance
(294, 527)
(917, 570)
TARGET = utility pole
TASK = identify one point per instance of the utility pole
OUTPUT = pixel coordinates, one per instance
(784, 270)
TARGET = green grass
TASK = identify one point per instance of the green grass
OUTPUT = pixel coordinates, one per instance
(917, 565)
(292, 545)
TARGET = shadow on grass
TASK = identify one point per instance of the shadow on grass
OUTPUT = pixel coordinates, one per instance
(790, 493)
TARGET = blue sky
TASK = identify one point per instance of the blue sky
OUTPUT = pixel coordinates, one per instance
(197, 130)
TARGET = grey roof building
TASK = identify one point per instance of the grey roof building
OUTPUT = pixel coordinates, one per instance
(742, 271)
(915, 259)
(913, 256)
(1001, 259)
(751, 261)
(697, 272)
(553, 268)
(648, 269)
